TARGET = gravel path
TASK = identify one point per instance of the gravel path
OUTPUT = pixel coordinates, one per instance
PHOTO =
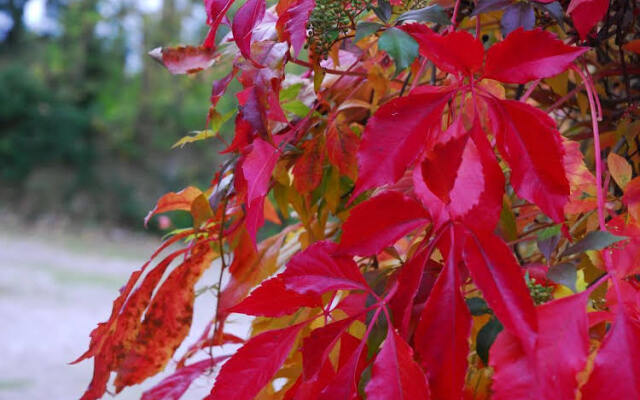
(53, 292)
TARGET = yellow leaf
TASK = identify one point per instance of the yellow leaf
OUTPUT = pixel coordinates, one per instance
(200, 210)
(216, 122)
(559, 83)
(318, 77)
(583, 103)
(332, 195)
(620, 169)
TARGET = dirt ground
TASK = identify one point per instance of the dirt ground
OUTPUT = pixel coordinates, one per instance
(54, 289)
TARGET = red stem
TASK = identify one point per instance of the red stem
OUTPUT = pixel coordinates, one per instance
(530, 89)
(597, 149)
(327, 70)
(455, 16)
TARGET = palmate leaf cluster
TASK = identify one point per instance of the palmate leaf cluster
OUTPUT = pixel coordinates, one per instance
(450, 225)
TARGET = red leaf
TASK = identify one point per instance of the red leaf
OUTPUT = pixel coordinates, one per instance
(396, 135)
(586, 14)
(497, 274)
(216, 10)
(442, 165)
(316, 347)
(395, 375)
(561, 353)
(174, 386)
(527, 55)
(616, 371)
(254, 364)
(174, 201)
(408, 279)
(307, 170)
(184, 59)
(310, 389)
(243, 23)
(441, 338)
(343, 385)
(250, 266)
(461, 180)
(257, 168)
(243, 134)
(342, 147)
(293, 23)
(273, 299)
(167, 321)
(625, 255)
(457, 52)
(379, 222)
(529, 142)
(316, 270)
(220, 86)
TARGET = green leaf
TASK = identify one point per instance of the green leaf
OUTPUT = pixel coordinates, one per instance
(507, 223)
(486, 336)
(477, 306)
(296, 107)
(549, 232)
(290, 92)
(433, 13)
(596, 240)
(384, 10)
(401, 47)
(564, 274)
(216, 122)
(364, 29)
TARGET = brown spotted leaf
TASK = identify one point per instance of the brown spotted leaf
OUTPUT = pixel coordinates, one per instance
(167, 321)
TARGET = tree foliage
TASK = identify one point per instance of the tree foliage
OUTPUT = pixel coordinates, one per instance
(443, 233)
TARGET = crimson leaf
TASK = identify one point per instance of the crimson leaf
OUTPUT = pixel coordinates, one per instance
(174, 386)
(247, 17)
(395, 375)
(528, 140)
(396, 134)
(497, 274)
(273, 299)
(527, 55)
(561, 353)
(441, 338)
(317, 270)
(254, 364)
(379, 222)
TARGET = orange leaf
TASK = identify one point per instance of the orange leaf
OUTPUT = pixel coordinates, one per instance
(174, 201)
(342, 147)
(632, 46)
(308, 169)
(270, 213)
(167, 321)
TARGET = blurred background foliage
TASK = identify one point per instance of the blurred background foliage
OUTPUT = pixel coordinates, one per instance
(87, 119)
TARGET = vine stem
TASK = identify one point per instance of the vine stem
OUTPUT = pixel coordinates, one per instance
(597, 149)
(327, 70)
(599, 190)
(223, 266)
(530, 90)
(592, 86)
(455, 16)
